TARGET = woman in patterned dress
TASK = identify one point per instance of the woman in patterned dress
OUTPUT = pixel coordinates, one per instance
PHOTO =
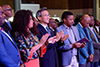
(24, 32)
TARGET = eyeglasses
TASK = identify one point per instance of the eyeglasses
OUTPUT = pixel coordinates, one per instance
(46, 15)
(8, 10)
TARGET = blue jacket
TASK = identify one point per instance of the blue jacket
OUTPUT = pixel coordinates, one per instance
(9, 54)
(85, 52)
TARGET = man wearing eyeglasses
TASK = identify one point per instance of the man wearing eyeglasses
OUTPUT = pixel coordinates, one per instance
(8, 12)
(50, 58)
(9, 53)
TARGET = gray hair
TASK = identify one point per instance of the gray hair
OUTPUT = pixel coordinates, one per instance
(38, 14)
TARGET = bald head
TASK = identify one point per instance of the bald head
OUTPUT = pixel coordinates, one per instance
(7, 10)
(85, 20)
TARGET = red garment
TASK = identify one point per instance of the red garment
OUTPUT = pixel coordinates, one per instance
(32, 63)
(43, 51)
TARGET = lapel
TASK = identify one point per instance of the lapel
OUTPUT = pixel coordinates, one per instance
(95, 28)
(6, 25)
(93, 35)
(65, 33)
(81, 30)
(42, 28)
(9, 38)
(75, 33)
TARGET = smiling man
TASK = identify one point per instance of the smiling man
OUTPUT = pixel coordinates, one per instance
(8, 13)
(49, 59)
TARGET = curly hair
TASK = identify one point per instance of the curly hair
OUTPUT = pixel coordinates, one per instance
(21, 22)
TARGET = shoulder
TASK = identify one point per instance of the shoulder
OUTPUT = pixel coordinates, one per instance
(39, 27)
(74, 27)
(78, 26)
(2, 33)
(17, 36)
(60, 27)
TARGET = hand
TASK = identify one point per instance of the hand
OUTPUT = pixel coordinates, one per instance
(64, 37)
(44, 38)
(90, 59)
(83, 45)
(61, 33)
(22, 65)
(52, 40)
(57, 37)
(77, 45)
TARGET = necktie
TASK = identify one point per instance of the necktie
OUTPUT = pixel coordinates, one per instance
(9, 24)
(88, 44)
(85, 32)
(48, 30)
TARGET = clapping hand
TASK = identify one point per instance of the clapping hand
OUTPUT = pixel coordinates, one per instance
(52, 40)
(44, 38)
(64, 37)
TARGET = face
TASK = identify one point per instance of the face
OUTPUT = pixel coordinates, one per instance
(92, 21)
(2, 17)
(86, 22)
(8, 11)
(30, 22)
(53, 24)
(36, 22)
(69, 20)
(44, 17)
(97, 23)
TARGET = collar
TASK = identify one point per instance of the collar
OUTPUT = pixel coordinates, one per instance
(43, 25)
(52, 28)
(67, 27)
(80, 24)
(91, 28)
(97, 26)
(6, 20)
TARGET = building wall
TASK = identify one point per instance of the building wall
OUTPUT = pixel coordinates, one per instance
(74, 11)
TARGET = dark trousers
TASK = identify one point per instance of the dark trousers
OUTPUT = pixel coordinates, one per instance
(94, 64)
(85, 65)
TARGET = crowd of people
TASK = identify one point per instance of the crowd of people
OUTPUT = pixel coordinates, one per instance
(46, 42)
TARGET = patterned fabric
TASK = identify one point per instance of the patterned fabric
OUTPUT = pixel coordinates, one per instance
(25, 45)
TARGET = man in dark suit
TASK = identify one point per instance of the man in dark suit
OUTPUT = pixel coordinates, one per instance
(52, 26)
(50, 58)
(8, 13)
(9, 54)
(96, 27)
(96, 43)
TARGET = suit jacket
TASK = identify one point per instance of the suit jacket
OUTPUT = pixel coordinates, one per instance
(9, 54)
(50, 58)
(85, 52)
(6, 27)
(96, 29)
(96, 46)
(65, 50)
